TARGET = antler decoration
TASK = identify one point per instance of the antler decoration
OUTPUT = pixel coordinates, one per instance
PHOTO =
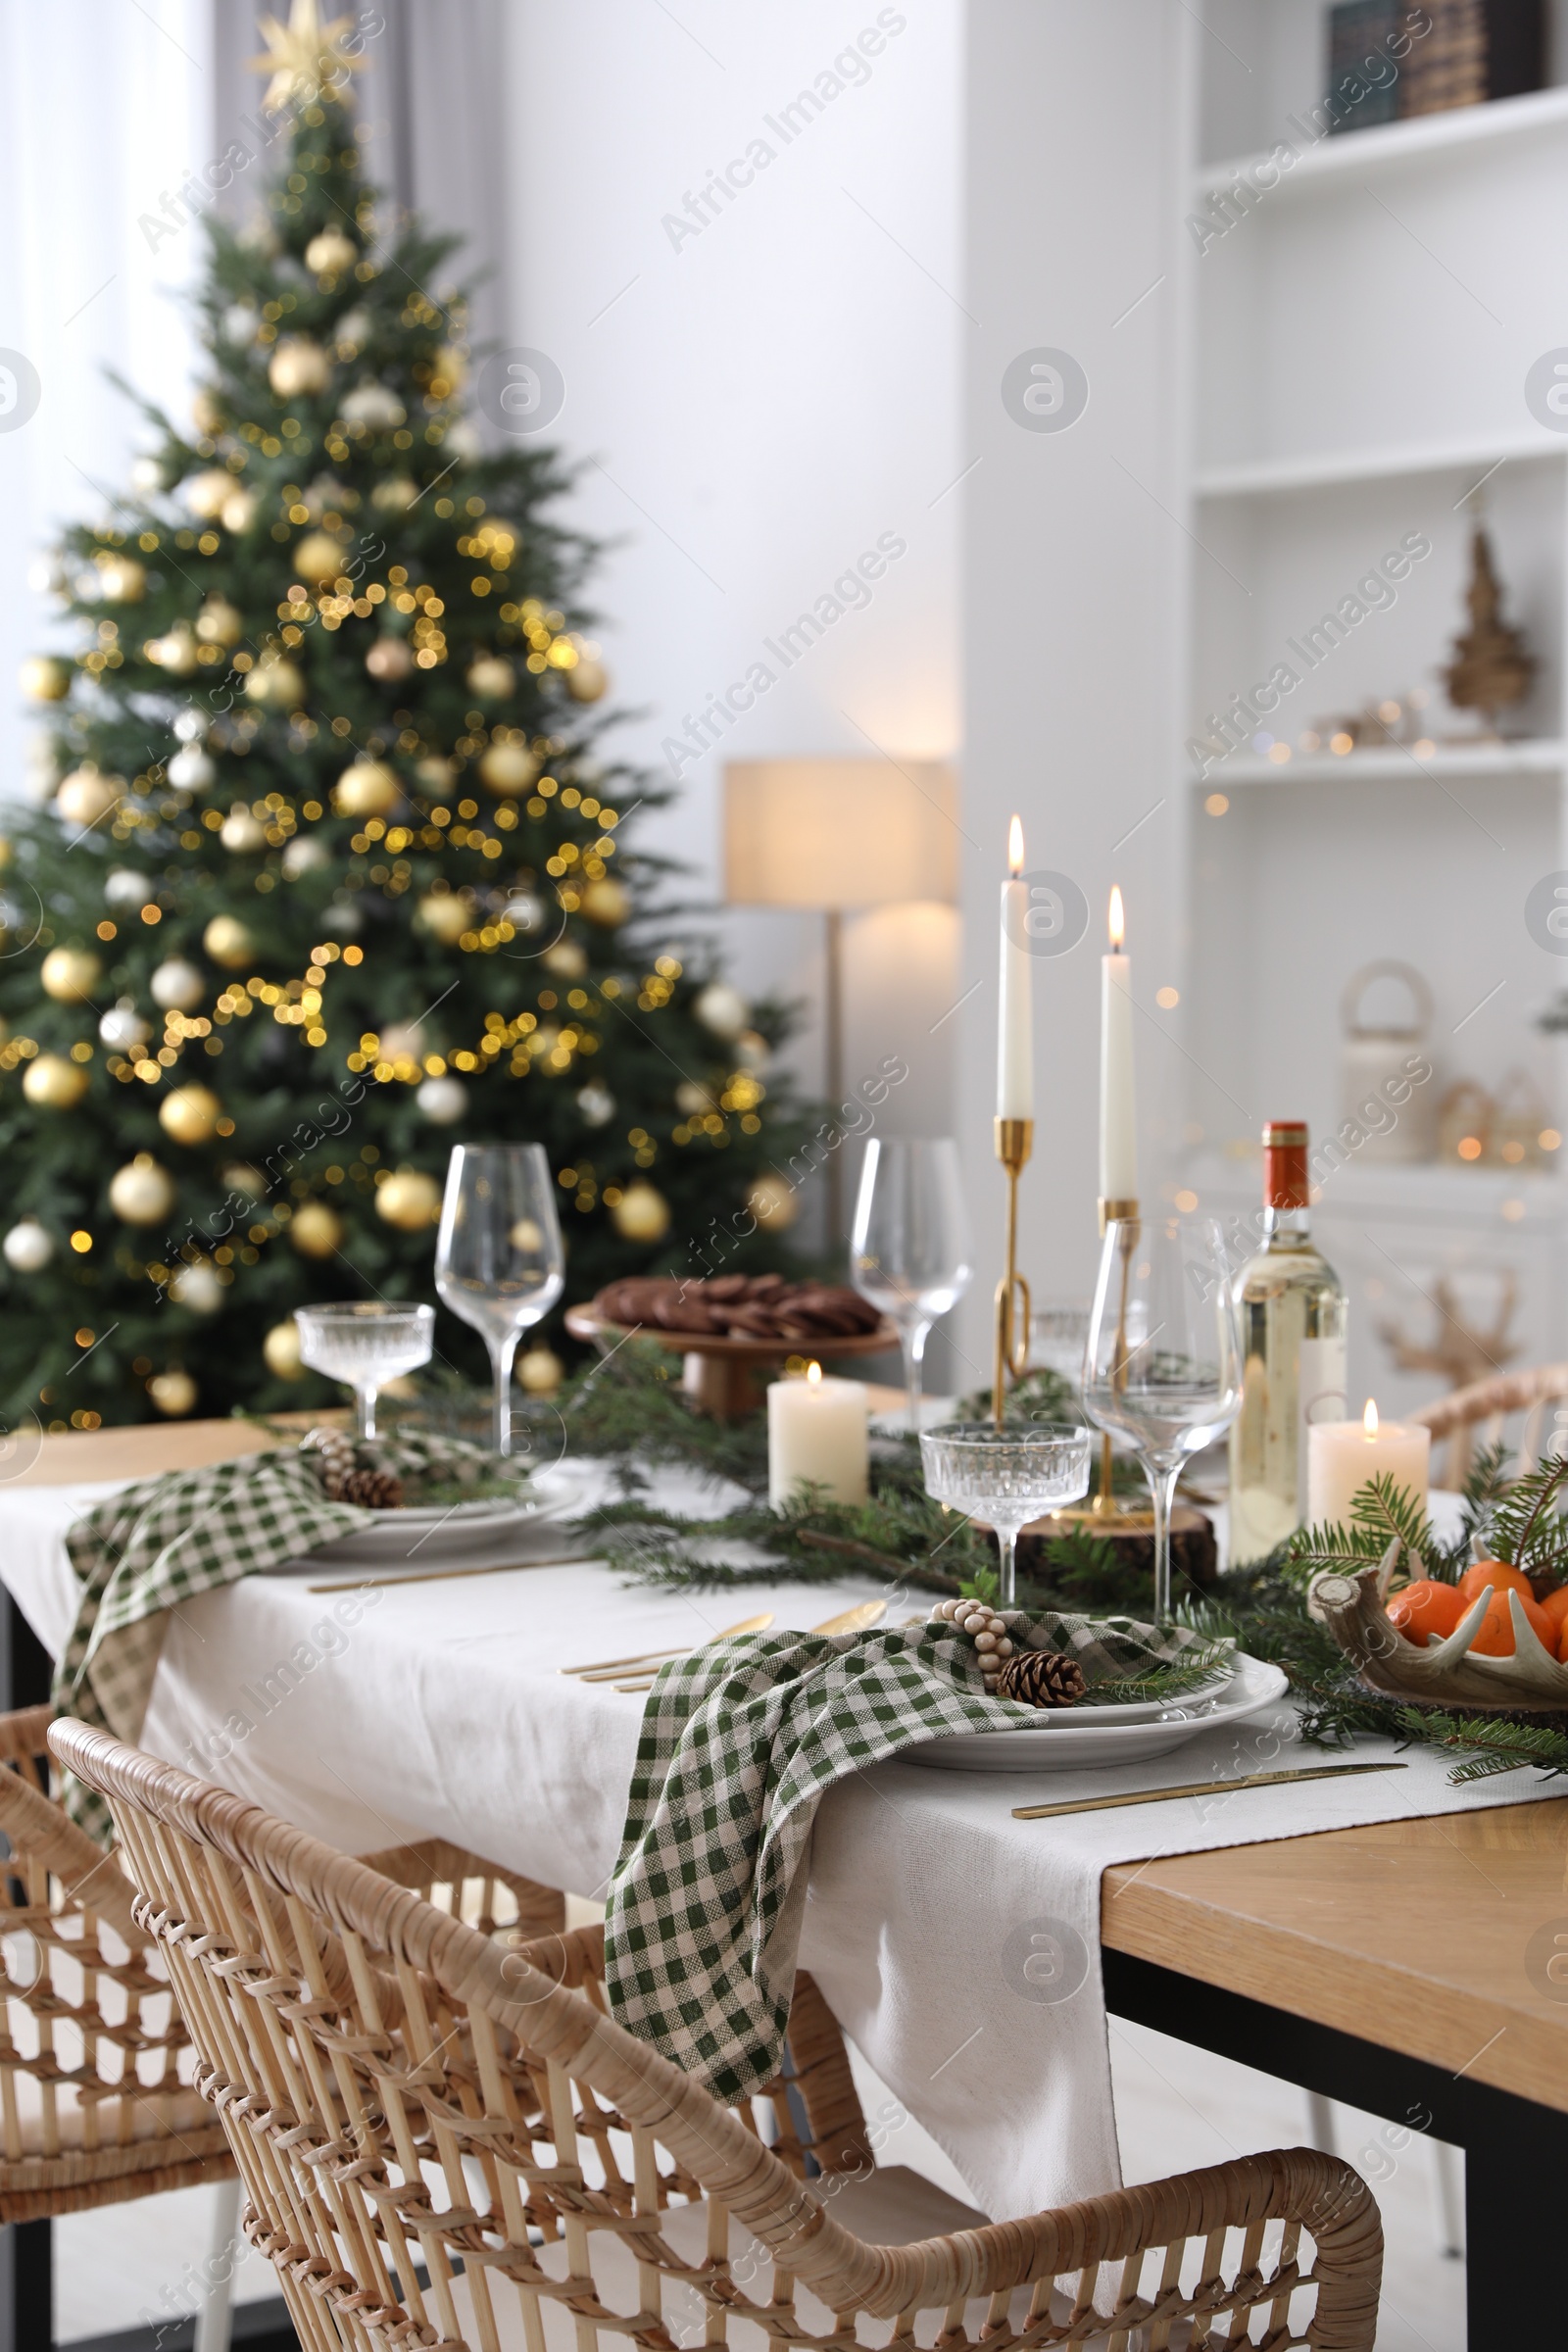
(1445, 1673)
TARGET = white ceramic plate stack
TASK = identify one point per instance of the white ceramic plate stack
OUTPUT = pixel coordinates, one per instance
(1082, 1737)
(434, 1535)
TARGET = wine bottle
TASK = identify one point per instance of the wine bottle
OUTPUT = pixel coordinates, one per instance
(1292, 1315)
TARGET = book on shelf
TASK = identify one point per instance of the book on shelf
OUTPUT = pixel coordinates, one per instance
(1388, 63)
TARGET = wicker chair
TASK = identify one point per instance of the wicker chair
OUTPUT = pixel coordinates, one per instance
(449, 2145)
(98, 2101)
(1484, 1406)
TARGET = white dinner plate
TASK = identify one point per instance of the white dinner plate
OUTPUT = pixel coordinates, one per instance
(1080, 1737)
(429, 1535)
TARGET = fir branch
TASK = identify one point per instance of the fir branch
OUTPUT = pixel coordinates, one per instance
(1519, 1529)
(1381, 1513)
(1492, 1744)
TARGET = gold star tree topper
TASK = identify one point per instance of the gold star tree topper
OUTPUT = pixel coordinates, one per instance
(303, 53)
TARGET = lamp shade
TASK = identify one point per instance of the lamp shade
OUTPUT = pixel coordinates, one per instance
(839, 833)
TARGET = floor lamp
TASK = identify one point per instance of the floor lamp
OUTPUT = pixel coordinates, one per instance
(838, 836)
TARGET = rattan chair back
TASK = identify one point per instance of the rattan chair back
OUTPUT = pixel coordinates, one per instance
(447, 2144)
(1479, 1415)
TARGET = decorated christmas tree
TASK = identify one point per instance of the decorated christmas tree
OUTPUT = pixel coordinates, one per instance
(331, 872)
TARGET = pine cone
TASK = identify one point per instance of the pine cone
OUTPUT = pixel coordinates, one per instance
(372, 1489)
(1041, 1677)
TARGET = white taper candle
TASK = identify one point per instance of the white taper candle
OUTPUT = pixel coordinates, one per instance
(1118, 1126)
(1015, 1057)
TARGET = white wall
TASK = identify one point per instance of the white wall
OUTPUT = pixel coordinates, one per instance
(754, 404)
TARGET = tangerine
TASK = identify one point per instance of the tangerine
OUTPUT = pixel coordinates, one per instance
(1498, 1575)
(1425, 1608)
(1555, 1606)
(1494, 1636)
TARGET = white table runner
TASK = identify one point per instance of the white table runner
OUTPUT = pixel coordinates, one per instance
(958, 1947)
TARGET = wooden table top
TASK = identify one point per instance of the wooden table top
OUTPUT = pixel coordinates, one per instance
(1385, 1932)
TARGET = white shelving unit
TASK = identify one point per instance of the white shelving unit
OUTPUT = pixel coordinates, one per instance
(1355, 348)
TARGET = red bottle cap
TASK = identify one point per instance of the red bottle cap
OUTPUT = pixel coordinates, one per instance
(1285, 1178)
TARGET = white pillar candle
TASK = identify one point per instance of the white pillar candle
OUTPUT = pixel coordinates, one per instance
(1118, 1127)
(817, 1434)
(1015, 1055)
(1341, 1456)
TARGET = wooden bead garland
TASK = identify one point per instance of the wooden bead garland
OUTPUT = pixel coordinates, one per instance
(986, 1628)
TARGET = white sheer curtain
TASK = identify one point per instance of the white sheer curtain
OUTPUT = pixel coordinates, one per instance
(103, 113)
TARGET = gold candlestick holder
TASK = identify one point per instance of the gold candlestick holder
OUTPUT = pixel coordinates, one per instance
(1106, 1510)
(1015, 1140)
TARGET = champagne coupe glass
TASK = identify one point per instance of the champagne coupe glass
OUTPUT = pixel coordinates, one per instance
(1006, 1476)
(1163, 1365)
(366, 1342)
(909, 1251)
(499, 1261)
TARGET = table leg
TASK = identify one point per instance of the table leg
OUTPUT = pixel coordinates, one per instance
(1516, 2152)
(26, 2252)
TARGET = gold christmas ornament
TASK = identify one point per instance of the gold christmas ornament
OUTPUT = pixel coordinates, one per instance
(69, 974)
(409, 1200)
(299, 365)
(176, 653)
(54, 1083)
(641, 1214)
(207, 412)
(85, 795)
(228, 942)
(566, 960)
(219, 622)
(278, 685)
(205, 493)
(174, 1392)
(722, 1009)
(773, 1203)
(238, 511)
(366, 789)
(509, 769)
(190, 1115)
(395, 496)
(318, 557)
(142, 1192)
(316, 1230)
(541, 1371)
(491, 679)
(44, 679)
(239, 1176)
(588, 680)
(606, 902)
(446, 917)
(122, 581)
(389, 660)
(242, 832)
(178, 986)
(436, 774)
(330, 253)
(304, 54)
(451, 370)
(280, 1350)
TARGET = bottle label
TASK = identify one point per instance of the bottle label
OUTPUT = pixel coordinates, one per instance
(1320, 1397)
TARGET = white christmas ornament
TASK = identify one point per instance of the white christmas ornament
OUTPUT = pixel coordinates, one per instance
(346, 918)
(190, 726)
(302, 854)
(352, 332)
(722, 1009)
(122, 1027)
(241, 832)
(372, 405)
(526, 912)
(141, 1192)
(178, 986)
(205, 493)
(240, 322)
(191, 770)
(402, 1040)
(597, 1105)
(146, 477)
(29, 1246)
(463, 439)
(443, 1100)
(197, 1286)
(124, 888)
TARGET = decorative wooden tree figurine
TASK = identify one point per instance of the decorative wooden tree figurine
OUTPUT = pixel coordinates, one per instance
(1491, 668)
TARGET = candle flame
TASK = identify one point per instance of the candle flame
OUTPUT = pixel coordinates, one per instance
(1118, 920)
(1016, 847)
(814, 1376)
(1369, 1420)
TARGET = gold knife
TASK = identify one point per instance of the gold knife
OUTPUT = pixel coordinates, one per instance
(1156, 1796)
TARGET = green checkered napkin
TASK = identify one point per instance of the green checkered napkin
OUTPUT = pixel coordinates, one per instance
(158, 1543)
(740, 1742)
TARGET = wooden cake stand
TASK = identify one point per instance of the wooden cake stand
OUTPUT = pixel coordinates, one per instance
(722, 1375)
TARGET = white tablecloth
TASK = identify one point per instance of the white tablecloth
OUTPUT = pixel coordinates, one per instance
(958, 1947)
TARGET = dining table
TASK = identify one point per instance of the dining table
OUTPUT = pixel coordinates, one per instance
(1415, 1967)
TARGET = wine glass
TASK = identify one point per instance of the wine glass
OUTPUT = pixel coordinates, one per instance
(1163, 1365)
(1006, 1476)
(909, 1251)
(499, 1261)
(366, 1342)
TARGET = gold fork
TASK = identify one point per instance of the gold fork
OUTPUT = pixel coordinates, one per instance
(604, 1670)
(848, 1621)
